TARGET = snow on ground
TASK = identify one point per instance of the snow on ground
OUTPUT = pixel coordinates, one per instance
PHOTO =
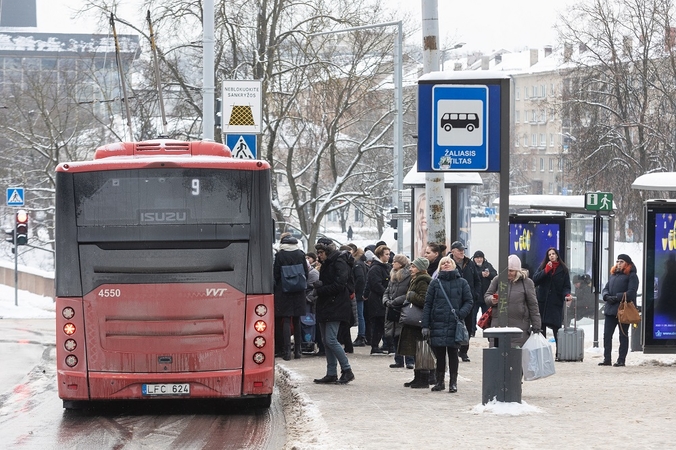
(30, 306)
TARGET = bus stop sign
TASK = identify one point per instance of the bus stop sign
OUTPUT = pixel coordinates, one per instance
(598, 201)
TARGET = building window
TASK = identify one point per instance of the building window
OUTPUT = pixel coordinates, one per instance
(517, 116)
(551, 140)
(534, 140)
(543, 116)
(542, 164)
(551, 188)
(534, 116)
(535, 91)
(543, 91)
(551, 89)
(561, 165)
(525, 92)
(551, 164)
(517, 93)
(542, 140)
(535, 165)
(358, 216)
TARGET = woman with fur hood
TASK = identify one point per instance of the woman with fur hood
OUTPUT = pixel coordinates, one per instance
(393, 299)
(522, 304)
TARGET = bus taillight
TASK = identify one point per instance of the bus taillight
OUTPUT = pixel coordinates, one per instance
(261, 310)
(68, 313)
(71, 360)
(259, 342)
(69, 329)
(70, 345)
(260, 326)
(259, 358)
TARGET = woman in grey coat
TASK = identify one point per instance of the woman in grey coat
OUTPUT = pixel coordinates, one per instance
(447, 293)
(522, 304)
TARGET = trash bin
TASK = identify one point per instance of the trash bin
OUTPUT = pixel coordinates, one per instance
(501, 378)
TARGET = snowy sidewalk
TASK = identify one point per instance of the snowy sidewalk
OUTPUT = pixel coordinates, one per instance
(582, 406)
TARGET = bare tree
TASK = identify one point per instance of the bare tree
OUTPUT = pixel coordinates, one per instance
(618, 97)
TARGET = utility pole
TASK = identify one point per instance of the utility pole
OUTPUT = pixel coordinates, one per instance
(208, 84)
(434, 182)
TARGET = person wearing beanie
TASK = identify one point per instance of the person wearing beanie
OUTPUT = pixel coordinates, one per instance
(333, 307)
(376, 282)
(622, 283)
(393, 299)
(522, 304)
(289, 305)
(411, 335)
(552, 280)
(486, 272)
(370, 256)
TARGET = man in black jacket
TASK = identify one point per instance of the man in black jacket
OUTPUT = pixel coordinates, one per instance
(333, 307)
(469, 272)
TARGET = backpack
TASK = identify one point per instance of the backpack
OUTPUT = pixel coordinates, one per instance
(293, 278)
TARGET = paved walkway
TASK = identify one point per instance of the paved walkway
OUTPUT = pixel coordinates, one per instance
(581, 406)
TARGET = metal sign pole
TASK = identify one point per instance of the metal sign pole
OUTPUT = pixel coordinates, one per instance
(16, 271)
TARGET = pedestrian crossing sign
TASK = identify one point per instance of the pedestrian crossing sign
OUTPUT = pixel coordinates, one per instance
(242, 146)
(15, 196)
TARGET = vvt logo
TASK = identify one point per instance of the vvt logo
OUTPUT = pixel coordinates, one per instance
(216, 292)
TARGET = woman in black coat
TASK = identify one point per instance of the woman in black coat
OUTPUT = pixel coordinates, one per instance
(289, 306)
(439, 322)
(623, 283)
(552, 280)
(434, 252)
(376, 282)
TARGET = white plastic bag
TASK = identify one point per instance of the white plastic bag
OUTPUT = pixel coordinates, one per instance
(537, 360)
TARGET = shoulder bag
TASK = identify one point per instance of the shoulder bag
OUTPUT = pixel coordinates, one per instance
(627, 312)
(461, 333)
(411, 315)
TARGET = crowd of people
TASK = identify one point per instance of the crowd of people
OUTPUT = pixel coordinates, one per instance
(400, 306)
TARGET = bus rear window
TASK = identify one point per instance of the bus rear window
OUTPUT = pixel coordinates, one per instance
(163, 196)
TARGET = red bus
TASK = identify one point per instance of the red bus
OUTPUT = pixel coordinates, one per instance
(164, 284)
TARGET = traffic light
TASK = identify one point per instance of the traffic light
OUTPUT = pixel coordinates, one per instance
(21, 229)
(10, 236)
(218, 112)
(393, 222)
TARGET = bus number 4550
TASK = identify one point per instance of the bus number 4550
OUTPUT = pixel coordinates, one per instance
(110, 293)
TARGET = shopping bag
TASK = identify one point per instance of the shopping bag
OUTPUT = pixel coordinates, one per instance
(424, 356)
(537, 360)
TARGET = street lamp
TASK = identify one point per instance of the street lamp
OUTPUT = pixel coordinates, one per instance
(398, 182)
(444, 50)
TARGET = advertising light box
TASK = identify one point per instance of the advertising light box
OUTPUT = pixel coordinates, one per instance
(530, 236)
(659, 278)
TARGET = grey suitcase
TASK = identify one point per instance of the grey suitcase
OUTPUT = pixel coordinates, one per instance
(570, 339)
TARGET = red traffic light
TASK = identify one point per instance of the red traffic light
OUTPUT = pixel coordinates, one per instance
(22, 227)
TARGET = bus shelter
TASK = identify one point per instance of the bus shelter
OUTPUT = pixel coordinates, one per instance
(658, 314)
(582, 238)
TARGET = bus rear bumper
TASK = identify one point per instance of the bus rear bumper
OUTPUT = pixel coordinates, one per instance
(121, 386)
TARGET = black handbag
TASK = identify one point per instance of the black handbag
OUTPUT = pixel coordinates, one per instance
(411, 315)
(393, 314)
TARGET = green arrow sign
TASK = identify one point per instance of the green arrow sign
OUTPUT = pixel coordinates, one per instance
(598, 201)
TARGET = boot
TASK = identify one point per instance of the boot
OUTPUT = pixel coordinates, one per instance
(346, 377)
(416, 378)
(423, 380)
(286, 355)
(433, 377)
(453, 383)
(439, 386)
(327, 379)
(297, 351)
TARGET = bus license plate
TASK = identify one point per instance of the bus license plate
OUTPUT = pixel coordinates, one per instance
(166, 389)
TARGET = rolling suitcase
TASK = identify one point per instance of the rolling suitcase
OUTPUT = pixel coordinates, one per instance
(570, 339)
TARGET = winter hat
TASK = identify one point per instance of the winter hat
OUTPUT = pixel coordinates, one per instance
(288, 239)
(625, 258)
(401, 259)
(421, 263)
(326, 245)
(379, 243)
(513, 262)
(478, 254)
(369, 255)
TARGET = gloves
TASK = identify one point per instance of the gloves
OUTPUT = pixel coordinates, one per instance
(426, 333)
(388, 303)
(410, 295)
(318, 283)
(606, 297)
(535, 330)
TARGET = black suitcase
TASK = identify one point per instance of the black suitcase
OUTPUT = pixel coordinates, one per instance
(570, 339)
